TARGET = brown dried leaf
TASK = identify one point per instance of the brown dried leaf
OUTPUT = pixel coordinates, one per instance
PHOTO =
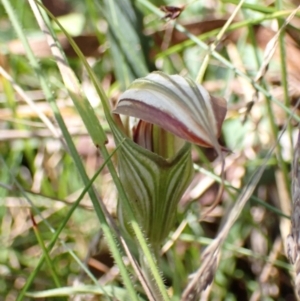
(58, 7)
(88, 45)
(196, 28)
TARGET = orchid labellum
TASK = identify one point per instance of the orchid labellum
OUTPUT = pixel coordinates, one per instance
(155, 167)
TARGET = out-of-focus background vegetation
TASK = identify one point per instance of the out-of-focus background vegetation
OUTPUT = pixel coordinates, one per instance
(123, 40)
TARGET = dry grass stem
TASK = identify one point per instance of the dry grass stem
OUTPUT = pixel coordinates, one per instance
(293, 240)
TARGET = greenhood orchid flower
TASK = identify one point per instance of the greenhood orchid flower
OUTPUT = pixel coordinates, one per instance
(155, 166)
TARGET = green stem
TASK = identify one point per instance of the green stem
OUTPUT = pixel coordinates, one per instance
(259, 8)
(210, 34)
(45, 253)
(230, 187)
(271, 118)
